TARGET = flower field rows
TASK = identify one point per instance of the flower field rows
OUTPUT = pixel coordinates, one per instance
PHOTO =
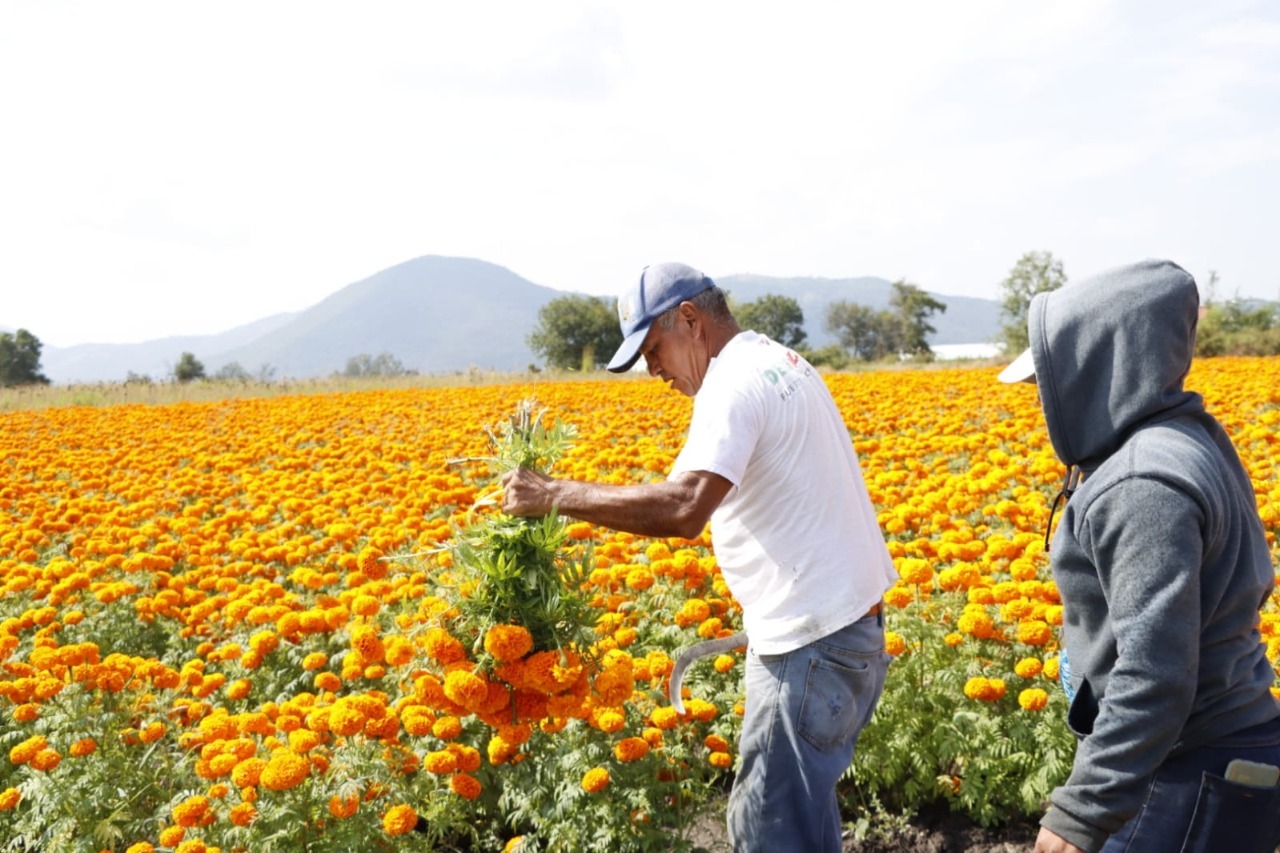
(251, 625)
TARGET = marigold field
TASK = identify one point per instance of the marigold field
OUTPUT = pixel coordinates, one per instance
(253, 624)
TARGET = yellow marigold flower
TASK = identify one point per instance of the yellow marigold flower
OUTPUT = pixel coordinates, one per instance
(9, 798)
(898, 596)
(692, 612)
(399, 651)
(441, 762)
(723, 760)
(631, 749)
(984, 689)
(238, 689)
(345, 720)
(264, 642)
(141, 847)
(330, 681)
(465, 785)
(171, 836)
(1033, 699)
(595, 780)
(152, 731)
(1051, 669)
(915, 571)
(285, 770)
(608, 719)
(25, 751)
(894, 643)
(508, 642)
(1028, 667)
(953, 639)
(371, 564)
(701, 710)
(304, 740)
(365, 605)
(399, 819)
(725, 663)
(664, 718)
(315, 660)
(192, 845)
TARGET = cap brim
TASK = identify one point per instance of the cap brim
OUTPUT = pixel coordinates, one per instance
(629, 353)
(1023, 369)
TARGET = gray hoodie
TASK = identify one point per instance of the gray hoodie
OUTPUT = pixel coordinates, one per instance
(1160, 556)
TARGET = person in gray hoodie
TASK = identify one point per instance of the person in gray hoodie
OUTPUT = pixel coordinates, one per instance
(1163, 565)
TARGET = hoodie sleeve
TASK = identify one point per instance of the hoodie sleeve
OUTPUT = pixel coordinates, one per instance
(1144, 540)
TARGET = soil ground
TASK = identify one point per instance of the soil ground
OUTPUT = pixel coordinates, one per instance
(935, 832)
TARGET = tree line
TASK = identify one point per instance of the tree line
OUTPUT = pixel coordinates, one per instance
(581, 332)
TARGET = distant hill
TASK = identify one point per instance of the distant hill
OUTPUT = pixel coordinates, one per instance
(444, 315)
(966, 321)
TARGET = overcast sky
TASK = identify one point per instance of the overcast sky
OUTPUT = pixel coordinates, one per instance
(180, 168)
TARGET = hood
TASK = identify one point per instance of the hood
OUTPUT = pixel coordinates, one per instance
(1111, 353)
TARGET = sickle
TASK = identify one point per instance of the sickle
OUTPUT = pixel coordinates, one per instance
(691, 654)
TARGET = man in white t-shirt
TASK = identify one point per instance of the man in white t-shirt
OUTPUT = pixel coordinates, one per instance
(770, 463)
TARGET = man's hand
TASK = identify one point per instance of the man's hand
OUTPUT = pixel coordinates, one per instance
(1050, 842)
(527, 492)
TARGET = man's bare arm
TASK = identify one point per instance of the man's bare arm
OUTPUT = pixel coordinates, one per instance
(680, 506)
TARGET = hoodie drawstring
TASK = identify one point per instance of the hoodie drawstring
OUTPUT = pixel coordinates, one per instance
(1069, 485)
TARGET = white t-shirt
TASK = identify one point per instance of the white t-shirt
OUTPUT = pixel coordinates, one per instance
(796, 537)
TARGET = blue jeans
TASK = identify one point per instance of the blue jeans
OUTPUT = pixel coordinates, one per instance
(1191, 808)
(804, 711)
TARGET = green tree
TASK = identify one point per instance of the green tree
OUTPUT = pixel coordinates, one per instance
(1035, 272)
(1236, 327)
(779, 317)
(577, 332)
(188, 368)
(383, 364)
(913, 307)
(867, 334)
(20, 359)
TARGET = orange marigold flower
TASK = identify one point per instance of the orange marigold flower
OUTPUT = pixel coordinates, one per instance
(595, 780)
(508, 642)
(238, 689)
(27, 712)
(723, 760)
(1028, 667)
(315, 660)
(1033, 699)
(1034, 632)
(343, 807)
(46, 760)
(171, 836)
(285, 770)
(631, 749)
(465, 785)
(9, 798)
(665, 718)
(715, 743)
(443, 646)
(190, 811)
(243, 814)
(365, 605)
(25, 751)
(441, 762)
(371, 564)
(447, 728)
(83, 747)
(466, 689)
(399, 819)
(894, 643)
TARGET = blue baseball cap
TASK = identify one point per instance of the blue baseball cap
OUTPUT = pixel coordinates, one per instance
(661, 288)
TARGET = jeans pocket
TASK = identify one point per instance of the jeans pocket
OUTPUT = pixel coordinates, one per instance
(1234, 817)
(830, 713)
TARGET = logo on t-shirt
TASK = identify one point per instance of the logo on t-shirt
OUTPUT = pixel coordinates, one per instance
(787, 373)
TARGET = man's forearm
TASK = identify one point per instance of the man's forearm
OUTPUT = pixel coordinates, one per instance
(652, 509)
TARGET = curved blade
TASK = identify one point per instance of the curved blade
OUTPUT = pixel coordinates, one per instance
(691, 654)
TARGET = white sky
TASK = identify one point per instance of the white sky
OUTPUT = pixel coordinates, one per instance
(179, 168)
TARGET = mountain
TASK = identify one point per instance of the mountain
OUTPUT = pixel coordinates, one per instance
(443, 315)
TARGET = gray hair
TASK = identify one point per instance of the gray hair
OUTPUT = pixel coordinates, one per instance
(711, 302)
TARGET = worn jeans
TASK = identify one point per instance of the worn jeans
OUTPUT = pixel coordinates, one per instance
(804, 710)
(1191, 808)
